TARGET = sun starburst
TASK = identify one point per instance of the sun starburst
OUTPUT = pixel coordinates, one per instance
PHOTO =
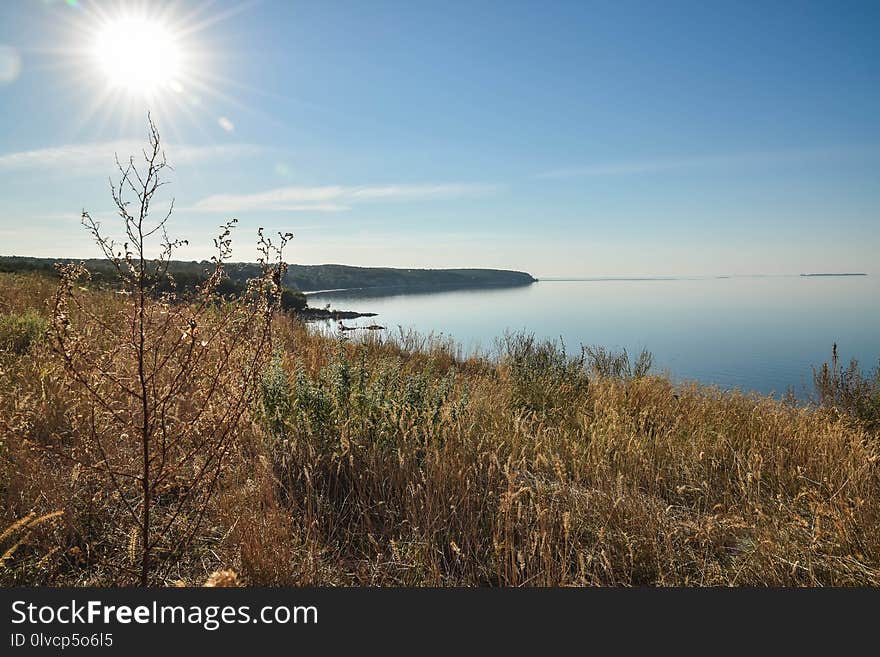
(139, 55)
(130, 57)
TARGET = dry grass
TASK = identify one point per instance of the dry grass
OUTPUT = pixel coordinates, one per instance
(390, 461)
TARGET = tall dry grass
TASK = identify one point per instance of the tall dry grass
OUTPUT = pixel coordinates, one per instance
(390, 460)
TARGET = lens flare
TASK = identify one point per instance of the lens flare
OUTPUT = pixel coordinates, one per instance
(10, 64)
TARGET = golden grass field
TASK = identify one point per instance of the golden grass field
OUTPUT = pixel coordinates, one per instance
(396, 461)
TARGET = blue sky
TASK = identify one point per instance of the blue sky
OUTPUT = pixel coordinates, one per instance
(567, 139)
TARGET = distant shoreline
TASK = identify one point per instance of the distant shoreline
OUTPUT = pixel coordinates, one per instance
(311, 278)
(369, 292)
(420, 288)
(699, 277)
(844, 274)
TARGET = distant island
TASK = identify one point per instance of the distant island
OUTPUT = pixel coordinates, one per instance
(300, 279)
(844, 274)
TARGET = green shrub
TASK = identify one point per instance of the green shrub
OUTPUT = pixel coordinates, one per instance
(19, 332)
(546, 379)
(611, 365)
(292, 299)
(848, 391)
(369, 401)
(543, 377)
(275, 398)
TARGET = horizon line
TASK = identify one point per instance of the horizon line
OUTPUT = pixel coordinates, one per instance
(538, 278)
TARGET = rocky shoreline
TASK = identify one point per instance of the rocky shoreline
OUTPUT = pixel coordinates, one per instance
(321, 314)
(310, 314)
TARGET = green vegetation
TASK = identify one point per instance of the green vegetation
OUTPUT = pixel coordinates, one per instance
(19, 332)
(180, 278)
(848, 391)
(333, 277)
(298, 277)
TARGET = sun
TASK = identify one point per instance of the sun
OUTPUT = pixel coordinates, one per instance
(138, 55)
(122, 58)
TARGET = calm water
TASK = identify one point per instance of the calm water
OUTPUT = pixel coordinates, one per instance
(752, 333)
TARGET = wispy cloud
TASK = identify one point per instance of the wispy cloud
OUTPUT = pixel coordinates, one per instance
(336, 198)
(87, 158)
(710, 161)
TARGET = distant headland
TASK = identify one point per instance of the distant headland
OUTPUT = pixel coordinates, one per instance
(309, 278)
(313, 278)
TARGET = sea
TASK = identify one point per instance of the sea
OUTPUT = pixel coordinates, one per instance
(759, 334)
